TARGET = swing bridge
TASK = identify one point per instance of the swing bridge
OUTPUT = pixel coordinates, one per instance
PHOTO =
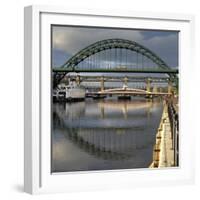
(119, 60)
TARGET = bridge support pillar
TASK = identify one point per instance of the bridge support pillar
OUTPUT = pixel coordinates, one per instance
(102, 83)
(125, 80)
(148, 85)
(170, 87)
(78, 81)
(155, 89)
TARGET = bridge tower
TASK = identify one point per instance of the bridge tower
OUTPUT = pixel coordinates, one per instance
(102, 83)
(155, 89)
(78, 80)
(170, 87)
(125, 80)
(148, 85)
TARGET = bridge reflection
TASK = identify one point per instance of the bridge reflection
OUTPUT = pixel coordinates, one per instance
(110, 137)
(125, 107)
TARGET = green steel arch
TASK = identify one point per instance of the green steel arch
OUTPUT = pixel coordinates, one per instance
(111, 44)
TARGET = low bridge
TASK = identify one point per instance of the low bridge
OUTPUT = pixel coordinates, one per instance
(125, 91)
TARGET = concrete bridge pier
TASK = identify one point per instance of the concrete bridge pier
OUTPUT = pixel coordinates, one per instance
(78, 80)
(125, 80)
(148, 88)
(155, 88)
(148, 85)
(170, 87)
(102, 83)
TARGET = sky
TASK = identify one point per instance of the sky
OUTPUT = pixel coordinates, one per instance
(67, 41)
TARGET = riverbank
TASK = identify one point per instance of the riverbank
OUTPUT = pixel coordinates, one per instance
(163, 153)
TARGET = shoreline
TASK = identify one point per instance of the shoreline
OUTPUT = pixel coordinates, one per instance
(163, 153)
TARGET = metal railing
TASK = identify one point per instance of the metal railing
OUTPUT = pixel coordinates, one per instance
(174, 124)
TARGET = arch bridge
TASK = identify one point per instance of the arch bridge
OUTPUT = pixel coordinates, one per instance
(114, 56)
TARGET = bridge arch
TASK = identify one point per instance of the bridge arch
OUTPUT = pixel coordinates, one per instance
(88, 146)
(112, 44)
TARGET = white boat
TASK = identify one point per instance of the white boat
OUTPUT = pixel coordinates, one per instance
(59, 93)
(74, 92)
(70, 92)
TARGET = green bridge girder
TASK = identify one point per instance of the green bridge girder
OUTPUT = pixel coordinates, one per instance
(112, 44)
(113, 70)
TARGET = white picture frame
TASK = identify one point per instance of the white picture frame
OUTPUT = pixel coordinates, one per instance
(37, 148)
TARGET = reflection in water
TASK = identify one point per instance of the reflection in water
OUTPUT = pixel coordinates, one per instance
(104, 134)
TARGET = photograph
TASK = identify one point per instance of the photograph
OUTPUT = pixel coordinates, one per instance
(114, 98)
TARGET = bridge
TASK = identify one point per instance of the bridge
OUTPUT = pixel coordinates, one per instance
(116, 56)
(127, 92)
(113, 61)
(131, 92)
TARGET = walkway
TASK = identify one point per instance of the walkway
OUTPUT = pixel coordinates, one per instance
(163, 155)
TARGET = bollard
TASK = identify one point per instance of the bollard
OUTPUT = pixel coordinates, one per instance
(156, 155)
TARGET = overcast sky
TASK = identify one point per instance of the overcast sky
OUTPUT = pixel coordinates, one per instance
(67, 41)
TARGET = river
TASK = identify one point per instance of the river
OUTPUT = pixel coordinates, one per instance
(104, 134)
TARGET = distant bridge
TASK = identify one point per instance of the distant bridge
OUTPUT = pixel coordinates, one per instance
(117, 78)
(130, 92)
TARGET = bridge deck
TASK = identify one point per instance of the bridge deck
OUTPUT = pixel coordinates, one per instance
(158, 71)
(127, 93)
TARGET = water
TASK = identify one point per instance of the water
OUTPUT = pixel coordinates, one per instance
(104, 134)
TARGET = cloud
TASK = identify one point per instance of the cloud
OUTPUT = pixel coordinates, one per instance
(165, 47)
(70, 40)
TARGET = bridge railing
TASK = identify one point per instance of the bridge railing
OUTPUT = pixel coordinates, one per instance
(174, 124)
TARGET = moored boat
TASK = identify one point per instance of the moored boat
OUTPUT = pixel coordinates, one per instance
(70, 92)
